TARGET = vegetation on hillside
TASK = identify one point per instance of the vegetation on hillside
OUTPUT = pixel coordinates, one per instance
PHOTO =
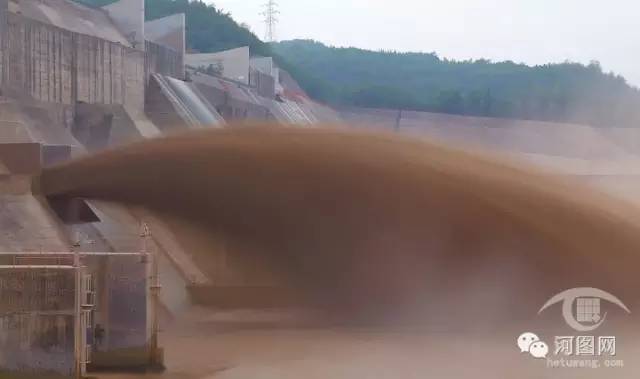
(568, 92)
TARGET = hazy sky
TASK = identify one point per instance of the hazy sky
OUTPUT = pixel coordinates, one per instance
(529, 31)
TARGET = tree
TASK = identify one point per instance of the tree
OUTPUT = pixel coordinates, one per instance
(566, 92)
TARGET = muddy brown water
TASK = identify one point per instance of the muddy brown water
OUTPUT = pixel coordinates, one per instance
(384, 231)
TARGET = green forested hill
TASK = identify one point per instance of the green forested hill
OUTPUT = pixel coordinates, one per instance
(560, 92)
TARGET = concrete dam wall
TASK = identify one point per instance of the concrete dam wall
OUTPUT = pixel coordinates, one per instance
(59, 66)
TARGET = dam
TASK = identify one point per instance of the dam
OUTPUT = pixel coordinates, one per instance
(88, 285)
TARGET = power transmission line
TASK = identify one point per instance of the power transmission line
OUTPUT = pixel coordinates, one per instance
(270, 14)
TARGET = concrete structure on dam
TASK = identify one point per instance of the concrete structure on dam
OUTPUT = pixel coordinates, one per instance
(242, 86)
(75, 80)
(231, 64)
(167, 32)
(128, 16)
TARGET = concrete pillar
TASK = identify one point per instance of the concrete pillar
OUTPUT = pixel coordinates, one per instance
(169, 31)
(128, 15)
